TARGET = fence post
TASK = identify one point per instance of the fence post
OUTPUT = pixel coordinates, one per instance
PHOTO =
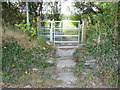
(38, 26)
(83, 38)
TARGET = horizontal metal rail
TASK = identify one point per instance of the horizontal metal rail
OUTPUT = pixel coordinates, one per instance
(66, 35)
(49, 32)
(68, 47)
(67, 21)
(44, 32)
(68, 28)
(45, 35)
(45, 21)
(45, 28)
(66, 41)
(60, 21)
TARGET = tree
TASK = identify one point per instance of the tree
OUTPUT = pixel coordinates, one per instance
(101, 18)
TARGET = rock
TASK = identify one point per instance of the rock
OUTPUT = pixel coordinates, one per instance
(35, 69)
(28, 86)
(90, 57)
(51, 60)
(91, 61)
(69, 82)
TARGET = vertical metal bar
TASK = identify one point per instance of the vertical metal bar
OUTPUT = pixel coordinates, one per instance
(27, 14)
(79, 34)
(54, 32)
(61, 32)
(51, 38)
(62, 29)
(82, 38)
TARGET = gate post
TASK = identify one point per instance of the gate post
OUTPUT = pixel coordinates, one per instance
(38, 26)
(83, 38)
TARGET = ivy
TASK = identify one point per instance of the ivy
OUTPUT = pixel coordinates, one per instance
(17, 61)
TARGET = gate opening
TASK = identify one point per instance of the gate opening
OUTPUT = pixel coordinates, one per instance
(64, 34)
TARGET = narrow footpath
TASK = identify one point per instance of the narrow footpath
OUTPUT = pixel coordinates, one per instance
(64, 71)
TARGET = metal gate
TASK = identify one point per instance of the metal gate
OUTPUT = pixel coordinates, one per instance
(61, 36)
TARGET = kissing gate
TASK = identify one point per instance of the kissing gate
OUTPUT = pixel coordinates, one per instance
(62, 33)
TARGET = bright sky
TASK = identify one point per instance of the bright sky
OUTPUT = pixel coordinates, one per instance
(65, 6)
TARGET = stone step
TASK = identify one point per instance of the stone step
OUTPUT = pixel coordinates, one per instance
(65, 58)
(67, 77)
(63, 70)
(67, 85)
(91, 61)
(65, 63)
(63, 53)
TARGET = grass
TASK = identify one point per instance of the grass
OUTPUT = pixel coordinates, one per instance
(58, 81)
(69, 32)
(22, 38)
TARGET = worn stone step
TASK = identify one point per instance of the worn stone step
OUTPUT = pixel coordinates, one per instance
(67, 53)
(90, 61)
(65, 63)
(67, 85)
(63, 70)
(67, 77)
(65, 58)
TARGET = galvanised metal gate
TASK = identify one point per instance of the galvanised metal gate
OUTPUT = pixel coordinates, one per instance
(55, 32)
(45, 30)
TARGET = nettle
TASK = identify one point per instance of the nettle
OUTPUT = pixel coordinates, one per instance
(27, 28)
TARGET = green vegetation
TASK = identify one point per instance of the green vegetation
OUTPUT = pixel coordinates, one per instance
(21, 54)
(71, 31)
(102, 44)
(106, 60)
(24, 57)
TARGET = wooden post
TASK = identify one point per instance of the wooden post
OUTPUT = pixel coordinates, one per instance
(38, 20)
(84, 25)
(38, 26)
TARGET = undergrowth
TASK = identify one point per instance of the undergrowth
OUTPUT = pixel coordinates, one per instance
(21, 53)
(106, 66)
